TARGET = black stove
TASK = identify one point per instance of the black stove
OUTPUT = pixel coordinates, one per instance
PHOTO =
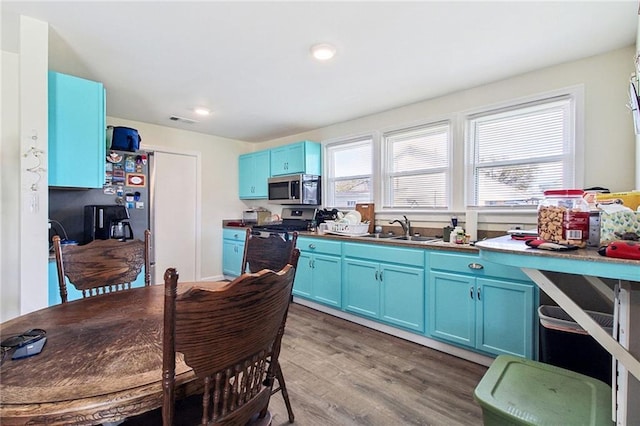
(293, 219)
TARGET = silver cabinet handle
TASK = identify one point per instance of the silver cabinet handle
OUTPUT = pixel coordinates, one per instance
(478, 293)
(471, 292)
(376, 275)
(380, 276)
(475, 266)
(310, 265)
(312, 246)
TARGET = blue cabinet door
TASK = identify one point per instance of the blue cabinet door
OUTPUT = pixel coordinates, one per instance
(303, 284)
(246, 188)
(504, 320)
(403, 296)
(77, 139)
(232, 253)
(300, 157)
(279, 161)
(253, 173)
(327, 280)
(361, 287)
(233, 241)
(452, 308)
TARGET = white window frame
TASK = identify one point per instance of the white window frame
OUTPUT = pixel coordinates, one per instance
(573, 147)
(387, 174)
(328, 197)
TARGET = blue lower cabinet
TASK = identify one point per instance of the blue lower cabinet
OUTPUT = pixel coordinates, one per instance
(319, 273)
(494, 315)
(389, 292)
(233, 241)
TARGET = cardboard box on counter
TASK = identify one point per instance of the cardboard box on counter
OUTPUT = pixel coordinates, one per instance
(628, 199)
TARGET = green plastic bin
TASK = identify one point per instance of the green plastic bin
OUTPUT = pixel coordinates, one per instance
(519, 391)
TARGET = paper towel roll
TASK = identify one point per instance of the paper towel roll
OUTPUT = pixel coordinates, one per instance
(471, 224)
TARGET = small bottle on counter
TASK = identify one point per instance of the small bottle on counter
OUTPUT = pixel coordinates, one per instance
(457, 235)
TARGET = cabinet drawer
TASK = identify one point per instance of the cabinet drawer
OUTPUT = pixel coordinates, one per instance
(238, 234)
(387, 254)
(317, 245)
(460, 263)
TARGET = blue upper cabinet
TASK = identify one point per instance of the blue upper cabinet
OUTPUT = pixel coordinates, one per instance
(253, 172)
(302, 157)
(77, 145)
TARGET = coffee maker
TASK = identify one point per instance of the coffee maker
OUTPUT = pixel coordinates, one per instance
(102, 222)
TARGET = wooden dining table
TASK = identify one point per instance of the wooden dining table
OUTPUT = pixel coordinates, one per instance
(102, 361)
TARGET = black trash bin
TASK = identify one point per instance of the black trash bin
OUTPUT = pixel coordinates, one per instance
(565, 344)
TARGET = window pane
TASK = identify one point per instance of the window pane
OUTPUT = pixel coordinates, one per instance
(420, 191)
(420, 150)
(517, 185)
(534, 134)
(518, 154)
(349, 168)
(351, 191)
(352, 160)
(418, 166)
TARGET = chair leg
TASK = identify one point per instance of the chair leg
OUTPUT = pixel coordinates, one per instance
(285, 394)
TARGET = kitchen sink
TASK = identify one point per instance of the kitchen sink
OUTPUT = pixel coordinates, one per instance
(381, 236)
(415, 238)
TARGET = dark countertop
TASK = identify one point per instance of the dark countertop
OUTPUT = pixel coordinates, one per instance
(581, 261)
(436, 244)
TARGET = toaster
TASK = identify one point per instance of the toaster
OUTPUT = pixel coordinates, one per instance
(256, 217)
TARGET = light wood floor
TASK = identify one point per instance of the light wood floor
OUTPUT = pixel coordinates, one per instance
(341, 373)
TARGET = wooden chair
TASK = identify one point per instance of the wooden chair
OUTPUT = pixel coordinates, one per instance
(227, 337)
(102, 266)
(272, 252)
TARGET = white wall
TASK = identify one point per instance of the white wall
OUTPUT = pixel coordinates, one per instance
(609, 139)
(9, 189)
(24, 210)
(609, 151)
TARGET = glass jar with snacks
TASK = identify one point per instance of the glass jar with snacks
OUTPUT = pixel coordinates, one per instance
(563, 217)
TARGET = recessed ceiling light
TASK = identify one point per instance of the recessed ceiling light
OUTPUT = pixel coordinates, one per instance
(202, 111)
(323, 51)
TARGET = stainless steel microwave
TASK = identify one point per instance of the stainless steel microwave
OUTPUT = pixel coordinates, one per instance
(295, 189)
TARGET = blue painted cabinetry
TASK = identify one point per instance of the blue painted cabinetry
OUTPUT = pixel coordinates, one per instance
(318, 277)
(481, 305)
(77, 140)
(233, 241)
(253, 172)
(300, 157)
(385, 283)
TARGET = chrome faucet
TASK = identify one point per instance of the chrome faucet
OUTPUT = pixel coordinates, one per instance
(406, 225)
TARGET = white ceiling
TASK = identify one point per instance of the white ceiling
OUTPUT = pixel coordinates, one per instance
(249, 62)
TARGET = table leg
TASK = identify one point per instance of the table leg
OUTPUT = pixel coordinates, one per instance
(629, 299)
(628, 393)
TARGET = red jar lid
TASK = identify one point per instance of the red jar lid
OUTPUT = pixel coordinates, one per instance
(564, 193)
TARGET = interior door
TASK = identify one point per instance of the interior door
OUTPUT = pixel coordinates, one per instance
(175, 215)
